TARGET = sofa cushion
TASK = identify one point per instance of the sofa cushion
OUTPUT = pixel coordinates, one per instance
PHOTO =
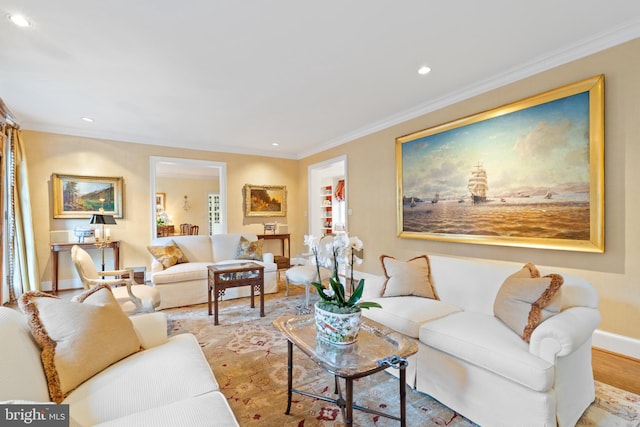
(407, 314)
(526, 299)
(225, 245)
(249, 249)
(168, 255)
(484, 341)
(78, 338)
(207, 409)
(21, 373)
(146, 380)
(181, 273)
(404, 278)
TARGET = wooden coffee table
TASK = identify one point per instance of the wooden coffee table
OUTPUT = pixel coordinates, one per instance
(225, 276)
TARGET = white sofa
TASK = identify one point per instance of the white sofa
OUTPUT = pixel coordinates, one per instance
(169, 383)
(474, 364)
(186, 283)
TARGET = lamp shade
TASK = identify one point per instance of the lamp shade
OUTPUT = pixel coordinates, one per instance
(102, 219)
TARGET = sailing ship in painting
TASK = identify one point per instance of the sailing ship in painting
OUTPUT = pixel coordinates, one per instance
(478, 185)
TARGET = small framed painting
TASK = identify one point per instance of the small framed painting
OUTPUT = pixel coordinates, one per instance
(76, 196)
(265, 200)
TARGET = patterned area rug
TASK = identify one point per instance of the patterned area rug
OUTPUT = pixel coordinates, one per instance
(249, 358)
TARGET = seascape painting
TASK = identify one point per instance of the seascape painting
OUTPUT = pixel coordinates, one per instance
(525, 175)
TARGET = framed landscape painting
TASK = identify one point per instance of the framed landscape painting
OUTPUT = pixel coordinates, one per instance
(265, 200)
(76, 196)
(528, 174)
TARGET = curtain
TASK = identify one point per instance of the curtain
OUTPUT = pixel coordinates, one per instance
(339, 193)
(23, 273)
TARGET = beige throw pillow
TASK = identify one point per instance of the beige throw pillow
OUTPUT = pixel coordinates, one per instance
(78, 338)
(525, 300)
(404, 278)
(168, 255)
(248, 249)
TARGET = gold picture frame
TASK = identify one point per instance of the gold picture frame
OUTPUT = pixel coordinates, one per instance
(265, 200)
(77, 196)
(526, 174)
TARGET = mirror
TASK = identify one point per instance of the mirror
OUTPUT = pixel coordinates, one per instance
(186, 191)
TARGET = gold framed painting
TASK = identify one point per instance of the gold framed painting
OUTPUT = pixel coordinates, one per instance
(76, 196)
(265, 200)
(526, 174)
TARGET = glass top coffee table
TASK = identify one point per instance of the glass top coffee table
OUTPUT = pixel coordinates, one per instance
(376, 349)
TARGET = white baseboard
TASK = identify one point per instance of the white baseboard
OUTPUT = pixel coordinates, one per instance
(615, 343)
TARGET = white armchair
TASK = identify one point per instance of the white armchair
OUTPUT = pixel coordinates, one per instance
(132, 297)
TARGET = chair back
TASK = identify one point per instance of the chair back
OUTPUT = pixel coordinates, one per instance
(84, 265)
(194, 229)
(184, 229)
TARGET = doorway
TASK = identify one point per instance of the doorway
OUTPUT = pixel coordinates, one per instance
(328, 197)
(180, 192)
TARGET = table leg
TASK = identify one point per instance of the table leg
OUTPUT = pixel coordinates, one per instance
(349, 403)
(116, 256)
(252, 293)
(210, 289)
(262, 298)
(215, 303)
(54, 271)
(289, 375)
(403, 393)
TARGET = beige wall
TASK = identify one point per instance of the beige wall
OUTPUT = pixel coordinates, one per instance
(52, 153)
(615, 273)
(197, 191)
(372, 188)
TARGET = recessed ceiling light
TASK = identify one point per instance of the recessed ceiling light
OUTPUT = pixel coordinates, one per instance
(88, 119)
(275, 144)
(19, 20)
(424, 70)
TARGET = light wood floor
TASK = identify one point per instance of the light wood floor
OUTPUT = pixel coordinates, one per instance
(616, 370)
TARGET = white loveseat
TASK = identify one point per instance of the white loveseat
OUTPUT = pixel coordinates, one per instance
(186, 283)
(169, 383)
(474, 364)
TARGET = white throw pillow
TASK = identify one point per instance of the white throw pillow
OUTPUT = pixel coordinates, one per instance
(525, 300)
(405, 278)
(78, 338)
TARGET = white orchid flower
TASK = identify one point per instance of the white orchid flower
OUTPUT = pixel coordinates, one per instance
(356, 243)
(310, 240)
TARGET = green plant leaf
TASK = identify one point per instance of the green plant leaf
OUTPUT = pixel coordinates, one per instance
(338, 289)
(368, 304)
(357, 293)
(320, 290)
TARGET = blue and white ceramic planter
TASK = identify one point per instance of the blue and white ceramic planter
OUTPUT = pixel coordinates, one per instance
(336, 328)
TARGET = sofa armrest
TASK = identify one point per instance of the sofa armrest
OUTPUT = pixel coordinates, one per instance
(151, 328)
(563, 333)
(156, 266)
(267, 257)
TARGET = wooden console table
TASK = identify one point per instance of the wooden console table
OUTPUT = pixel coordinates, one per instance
(283, 261)
(59, 247)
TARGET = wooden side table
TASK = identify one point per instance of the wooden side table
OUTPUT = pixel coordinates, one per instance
(59, 247)
(283, 261)
(225, 276)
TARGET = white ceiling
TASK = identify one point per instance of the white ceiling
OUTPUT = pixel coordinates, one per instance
(237, 76)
